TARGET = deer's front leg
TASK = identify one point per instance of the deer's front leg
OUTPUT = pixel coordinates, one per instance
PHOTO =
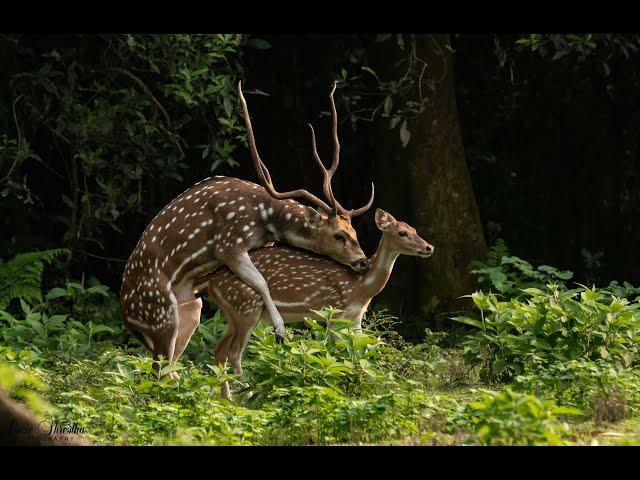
(244, 268)
(189, 313)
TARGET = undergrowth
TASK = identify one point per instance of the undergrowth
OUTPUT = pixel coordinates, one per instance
(532, 368)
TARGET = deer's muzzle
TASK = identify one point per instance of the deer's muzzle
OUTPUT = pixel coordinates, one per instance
(428, 251)
(360, 265)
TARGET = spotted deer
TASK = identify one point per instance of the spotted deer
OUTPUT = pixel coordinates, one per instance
(217, 222)
(300, 281)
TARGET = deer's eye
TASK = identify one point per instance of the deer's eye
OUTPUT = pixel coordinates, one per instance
(340, 238)
(402, 233)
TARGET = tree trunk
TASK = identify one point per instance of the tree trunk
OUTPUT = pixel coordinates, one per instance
(430, 185)
(426, 184)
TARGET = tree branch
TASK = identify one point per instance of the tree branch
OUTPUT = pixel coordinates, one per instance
(155, 101)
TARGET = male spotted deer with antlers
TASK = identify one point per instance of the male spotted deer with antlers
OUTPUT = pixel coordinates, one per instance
(217, 222)
(300, 281)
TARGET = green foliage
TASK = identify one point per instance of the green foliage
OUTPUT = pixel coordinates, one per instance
(39, 328)
(591, 260)
(15, 153)
(115, 397)
(21, 276)
(110, 113)
(331, 356)
(495, 254)
(398, 99)
(208, 333)
(626, 290)
(551, 325)
(589, 385)
(327, 384)
(114, 394)
(510, 274)
(429, 363)
(22, 385)
(511, 418)
(321, 415)
(582, 46)
(93, 302)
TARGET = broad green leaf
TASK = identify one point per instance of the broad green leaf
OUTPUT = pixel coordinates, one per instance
(405, 134)
(468, 321)
(56, 292)
(258, 43)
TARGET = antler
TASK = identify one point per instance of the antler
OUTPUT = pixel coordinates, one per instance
(263, 172)
(328, 174)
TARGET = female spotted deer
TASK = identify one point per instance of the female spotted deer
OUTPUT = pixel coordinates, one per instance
(217, 222)
(300, 281)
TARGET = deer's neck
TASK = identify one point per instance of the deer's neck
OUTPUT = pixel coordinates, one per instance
(289, 225)
(374, 281)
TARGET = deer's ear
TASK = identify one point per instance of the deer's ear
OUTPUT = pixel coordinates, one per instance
(312, 217)
(384, 220)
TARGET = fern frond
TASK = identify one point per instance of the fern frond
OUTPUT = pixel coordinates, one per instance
(21, 276)
(498, 250)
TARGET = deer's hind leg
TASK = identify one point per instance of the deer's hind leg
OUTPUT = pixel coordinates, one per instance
(242, 333)
(221, 354)
(240, 326)
(240, 339)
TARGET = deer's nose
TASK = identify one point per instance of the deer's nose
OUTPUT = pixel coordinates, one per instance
(361, 265)
(428, 250)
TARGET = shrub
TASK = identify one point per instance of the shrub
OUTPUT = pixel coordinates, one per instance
(429, 362)
(510, 274)
(21, 276)
(625, 290)
(330, 355)
(22, 384)
(511, 418)
(40, 329)
(316, 415)
(112, 117)
(602, 389)
(551, 325)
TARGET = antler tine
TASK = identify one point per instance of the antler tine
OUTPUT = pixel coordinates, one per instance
(326, 182)
(328, 191)
(328, 174)
(255, 156)
(263, 172)
(334, 129)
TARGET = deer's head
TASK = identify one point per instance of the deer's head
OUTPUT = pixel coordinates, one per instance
(334, 236)
(328, 230)
(402, 237)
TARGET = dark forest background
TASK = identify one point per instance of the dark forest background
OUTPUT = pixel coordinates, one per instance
(532, 139)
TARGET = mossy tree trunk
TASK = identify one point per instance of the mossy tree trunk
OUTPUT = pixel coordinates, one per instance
(426, 184)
